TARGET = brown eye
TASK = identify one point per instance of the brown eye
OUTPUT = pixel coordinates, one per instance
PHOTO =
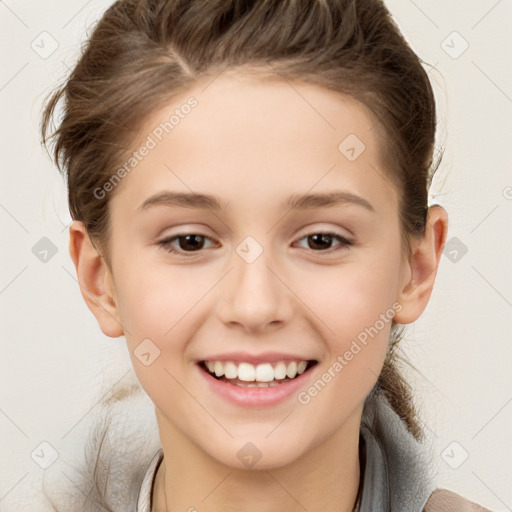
(187, 242)
(321, 242)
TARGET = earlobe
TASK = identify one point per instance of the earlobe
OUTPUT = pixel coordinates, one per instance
(422, 266)
(96, 284)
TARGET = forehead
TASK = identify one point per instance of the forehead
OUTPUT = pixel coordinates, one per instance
(265, 112)
(262, 138)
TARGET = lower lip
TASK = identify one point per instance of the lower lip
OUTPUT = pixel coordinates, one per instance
(251, 397)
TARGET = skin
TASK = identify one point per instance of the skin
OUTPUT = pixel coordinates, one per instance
(253, 143)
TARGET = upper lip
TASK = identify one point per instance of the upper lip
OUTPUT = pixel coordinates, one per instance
(264, 357)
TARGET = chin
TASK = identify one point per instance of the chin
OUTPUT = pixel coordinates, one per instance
(258, 453)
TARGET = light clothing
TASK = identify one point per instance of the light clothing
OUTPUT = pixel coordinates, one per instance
(124, 450)
(144, 500)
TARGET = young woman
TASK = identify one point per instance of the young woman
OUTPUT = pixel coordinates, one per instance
(248, 182)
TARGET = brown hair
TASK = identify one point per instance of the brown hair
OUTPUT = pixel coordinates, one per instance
(143, 52)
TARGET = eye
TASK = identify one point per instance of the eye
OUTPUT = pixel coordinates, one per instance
(194, 242)
(324, 238)
(188, 242)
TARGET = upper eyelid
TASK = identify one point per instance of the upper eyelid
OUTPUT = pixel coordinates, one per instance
(345, 232)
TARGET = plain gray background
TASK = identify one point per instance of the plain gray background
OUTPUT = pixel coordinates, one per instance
(56, 363)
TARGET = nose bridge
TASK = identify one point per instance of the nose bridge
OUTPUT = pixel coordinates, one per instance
(254, 296)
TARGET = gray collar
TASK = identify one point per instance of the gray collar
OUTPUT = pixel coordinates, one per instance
(397, 474)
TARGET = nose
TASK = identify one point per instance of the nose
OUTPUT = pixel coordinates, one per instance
(254, 296)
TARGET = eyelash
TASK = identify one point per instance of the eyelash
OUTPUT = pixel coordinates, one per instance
(344, 245)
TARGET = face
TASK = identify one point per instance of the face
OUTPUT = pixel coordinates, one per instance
(259, 273)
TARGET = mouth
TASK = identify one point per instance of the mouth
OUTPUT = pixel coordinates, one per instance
(262, 375)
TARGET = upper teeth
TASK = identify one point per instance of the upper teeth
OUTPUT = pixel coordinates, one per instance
(262, 372)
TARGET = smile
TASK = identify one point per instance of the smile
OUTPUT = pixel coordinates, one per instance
(244, 374)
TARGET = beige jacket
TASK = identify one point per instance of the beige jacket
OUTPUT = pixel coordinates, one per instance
(443, 500)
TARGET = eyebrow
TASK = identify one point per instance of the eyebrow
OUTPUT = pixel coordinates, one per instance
(294, 202)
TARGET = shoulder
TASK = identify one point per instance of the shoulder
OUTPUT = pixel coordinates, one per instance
(112, 452)
(443, 500)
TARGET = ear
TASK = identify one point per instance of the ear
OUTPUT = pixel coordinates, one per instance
(421, 269)
(95, 280)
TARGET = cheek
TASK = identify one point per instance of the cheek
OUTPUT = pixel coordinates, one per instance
(158, 306)
(355, 309)
(154, 309)
(352, 297)
(153, 299)
(361, 322)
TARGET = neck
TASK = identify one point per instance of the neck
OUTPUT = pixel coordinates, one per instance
(326, 478)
